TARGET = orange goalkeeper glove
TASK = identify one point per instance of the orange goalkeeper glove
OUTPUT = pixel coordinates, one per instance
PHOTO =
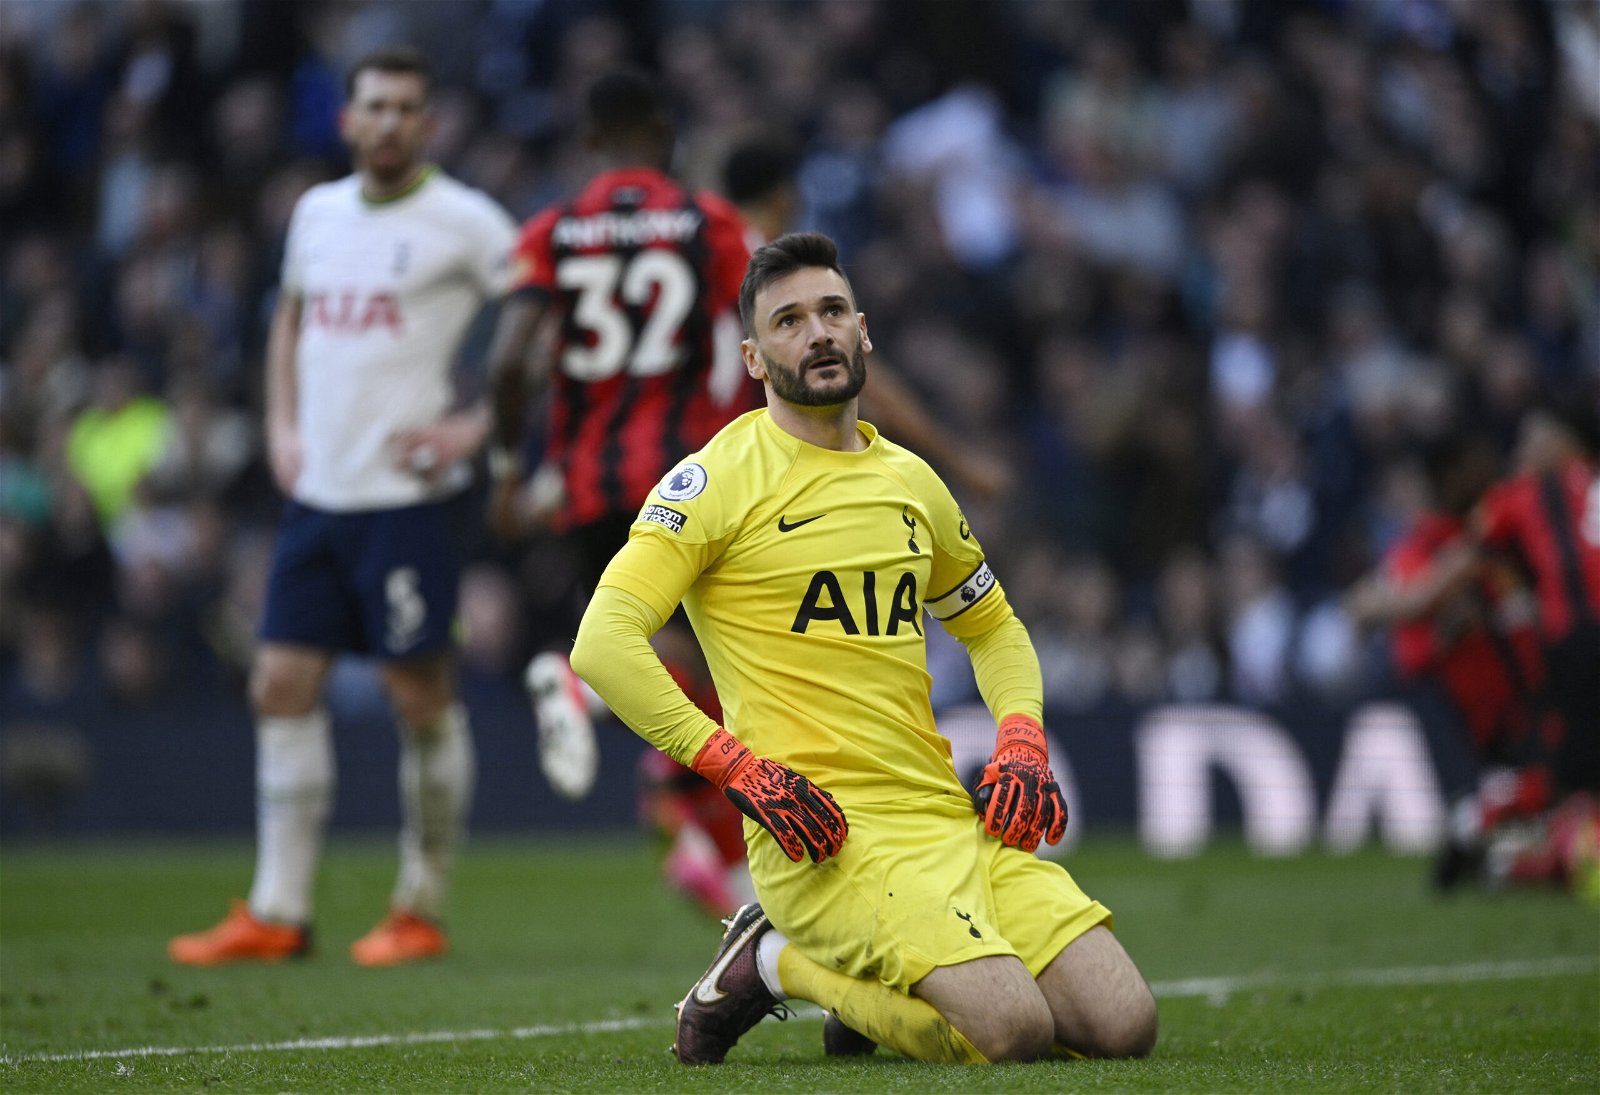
(802, 817)
(1018, 796)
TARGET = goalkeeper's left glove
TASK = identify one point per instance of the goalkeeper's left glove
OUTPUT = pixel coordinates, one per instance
(1018, 796)
(802, 817)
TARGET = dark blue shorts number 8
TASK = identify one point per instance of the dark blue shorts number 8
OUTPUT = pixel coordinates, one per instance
(377, 582)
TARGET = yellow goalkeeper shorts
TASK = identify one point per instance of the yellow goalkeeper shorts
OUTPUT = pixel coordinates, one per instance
(919, 885)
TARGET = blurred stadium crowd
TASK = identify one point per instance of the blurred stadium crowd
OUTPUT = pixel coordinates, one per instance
(1211, 275)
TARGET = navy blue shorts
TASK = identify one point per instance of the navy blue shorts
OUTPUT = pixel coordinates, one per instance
(377, 582)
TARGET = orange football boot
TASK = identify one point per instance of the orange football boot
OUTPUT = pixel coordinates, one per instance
(399, 937)
(240, 938)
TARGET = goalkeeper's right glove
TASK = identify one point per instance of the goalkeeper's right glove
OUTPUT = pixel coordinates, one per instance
(802, 817)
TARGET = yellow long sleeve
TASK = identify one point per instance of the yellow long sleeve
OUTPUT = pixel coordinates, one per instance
(614, 655)
(1006, 668)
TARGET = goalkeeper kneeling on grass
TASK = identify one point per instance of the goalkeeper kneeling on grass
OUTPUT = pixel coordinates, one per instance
(806, 549)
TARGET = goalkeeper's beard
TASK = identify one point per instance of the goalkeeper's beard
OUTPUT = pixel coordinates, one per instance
(793, 385)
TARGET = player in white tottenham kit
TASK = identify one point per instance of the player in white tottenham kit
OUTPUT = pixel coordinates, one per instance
(383, 273)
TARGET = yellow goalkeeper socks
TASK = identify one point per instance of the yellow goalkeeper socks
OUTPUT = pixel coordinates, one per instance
(904, 1023)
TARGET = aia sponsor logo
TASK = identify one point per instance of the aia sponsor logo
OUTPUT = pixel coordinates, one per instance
(825, 600)
(354, 313)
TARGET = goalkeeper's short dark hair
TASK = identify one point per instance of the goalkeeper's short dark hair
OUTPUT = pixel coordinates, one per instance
(780, 258)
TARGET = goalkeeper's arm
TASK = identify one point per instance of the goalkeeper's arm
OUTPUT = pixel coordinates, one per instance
(1018, 796)
(614, 655)
(1007, 669)
(1003, 659)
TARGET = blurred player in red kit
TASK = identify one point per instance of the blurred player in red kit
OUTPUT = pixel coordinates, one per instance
(1544, 520)
(625, 309)
(1479, 647)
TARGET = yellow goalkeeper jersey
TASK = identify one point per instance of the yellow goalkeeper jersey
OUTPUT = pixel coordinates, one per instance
(805, 573)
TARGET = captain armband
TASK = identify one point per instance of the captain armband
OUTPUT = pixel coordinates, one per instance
(972, 589)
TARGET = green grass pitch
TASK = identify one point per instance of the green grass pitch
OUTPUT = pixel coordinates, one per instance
(1309, 974)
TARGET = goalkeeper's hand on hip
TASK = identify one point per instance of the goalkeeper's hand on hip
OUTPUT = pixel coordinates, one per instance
(802, 817)
(1018, 796)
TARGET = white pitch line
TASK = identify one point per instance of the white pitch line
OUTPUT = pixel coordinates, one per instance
(1209, 987)
(1396, 975)
(359, 1041)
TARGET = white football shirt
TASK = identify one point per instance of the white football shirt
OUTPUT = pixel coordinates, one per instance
(388, 290)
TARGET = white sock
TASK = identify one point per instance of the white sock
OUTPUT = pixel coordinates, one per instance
(767, 950)
(294, 796)
(438, 770)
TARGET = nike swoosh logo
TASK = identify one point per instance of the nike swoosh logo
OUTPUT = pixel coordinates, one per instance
(785, 526)
(706, 992)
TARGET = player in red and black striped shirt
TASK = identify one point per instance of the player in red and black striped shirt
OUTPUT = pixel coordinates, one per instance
(1547, 520)
(627, 296)
(625, 309)
(1479, 647)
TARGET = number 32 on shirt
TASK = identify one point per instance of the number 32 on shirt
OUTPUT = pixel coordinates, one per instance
(604, 284)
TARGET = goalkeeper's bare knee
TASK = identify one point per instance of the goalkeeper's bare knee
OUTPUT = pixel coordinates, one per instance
(996, 1006)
